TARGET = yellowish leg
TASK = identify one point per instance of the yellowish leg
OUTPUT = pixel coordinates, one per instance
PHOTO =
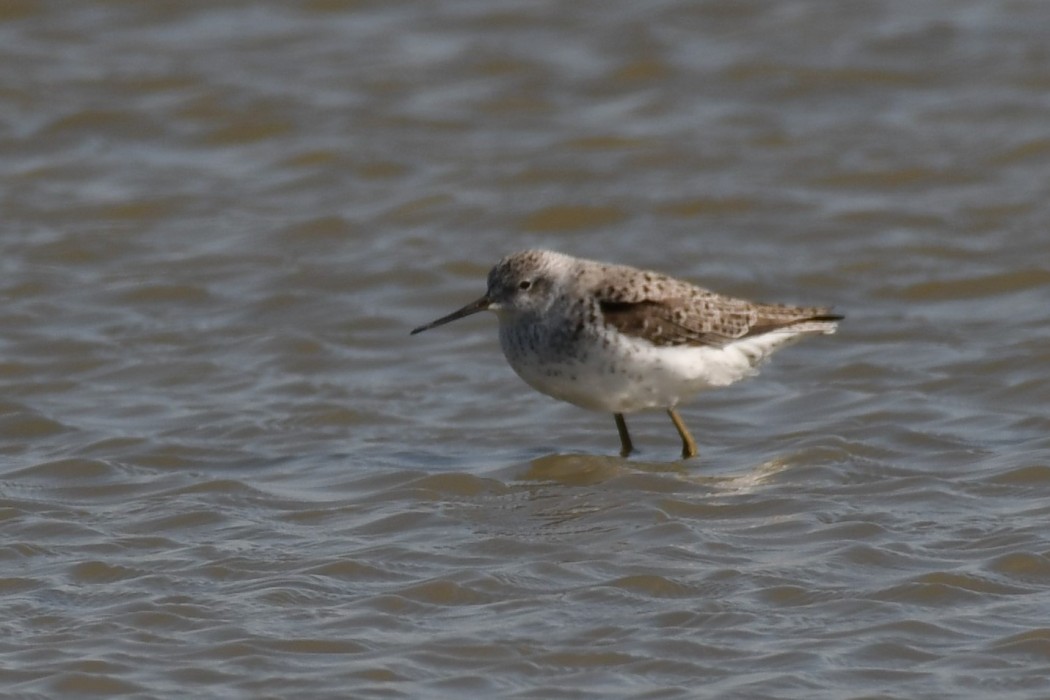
(688, 443)
(626, 447)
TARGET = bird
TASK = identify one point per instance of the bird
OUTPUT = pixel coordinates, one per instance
(619, 339)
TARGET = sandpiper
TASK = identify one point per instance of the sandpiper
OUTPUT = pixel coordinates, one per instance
(618, 339)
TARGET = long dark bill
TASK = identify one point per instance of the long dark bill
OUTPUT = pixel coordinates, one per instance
(473, 307)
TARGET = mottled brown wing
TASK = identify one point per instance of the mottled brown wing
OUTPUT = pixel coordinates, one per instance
(705, 320)
(667, 323)
(667, 312)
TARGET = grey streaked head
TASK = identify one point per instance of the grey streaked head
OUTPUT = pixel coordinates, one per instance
(519, 283)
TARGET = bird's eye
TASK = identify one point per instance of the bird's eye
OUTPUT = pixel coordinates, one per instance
(524, 284)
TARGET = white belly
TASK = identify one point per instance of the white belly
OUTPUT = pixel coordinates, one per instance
(620, 374)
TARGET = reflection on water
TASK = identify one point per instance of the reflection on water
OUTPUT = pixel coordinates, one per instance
(586, 470)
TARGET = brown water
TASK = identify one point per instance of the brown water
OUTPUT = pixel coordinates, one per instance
(227, 471)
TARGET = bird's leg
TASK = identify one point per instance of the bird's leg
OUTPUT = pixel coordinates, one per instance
(626, 447)
(688, 443)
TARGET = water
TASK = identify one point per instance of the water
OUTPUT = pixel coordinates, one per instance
(227, 471)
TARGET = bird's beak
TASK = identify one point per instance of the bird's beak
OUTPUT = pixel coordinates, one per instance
(482, 304)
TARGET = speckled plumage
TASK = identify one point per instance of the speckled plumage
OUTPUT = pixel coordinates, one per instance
(618, 339)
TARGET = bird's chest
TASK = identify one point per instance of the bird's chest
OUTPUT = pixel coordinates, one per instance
(568, 358)
(542, 340)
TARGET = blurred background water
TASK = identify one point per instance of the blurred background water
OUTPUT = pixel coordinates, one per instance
(227, 471)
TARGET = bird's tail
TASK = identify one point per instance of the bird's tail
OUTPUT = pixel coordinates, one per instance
(821, 323)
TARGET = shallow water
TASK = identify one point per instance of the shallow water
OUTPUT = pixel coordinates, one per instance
(227, 471)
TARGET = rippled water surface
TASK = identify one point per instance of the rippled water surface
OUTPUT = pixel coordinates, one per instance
(226, 470)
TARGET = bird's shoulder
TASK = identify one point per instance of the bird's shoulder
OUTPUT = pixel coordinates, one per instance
(662, 309)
